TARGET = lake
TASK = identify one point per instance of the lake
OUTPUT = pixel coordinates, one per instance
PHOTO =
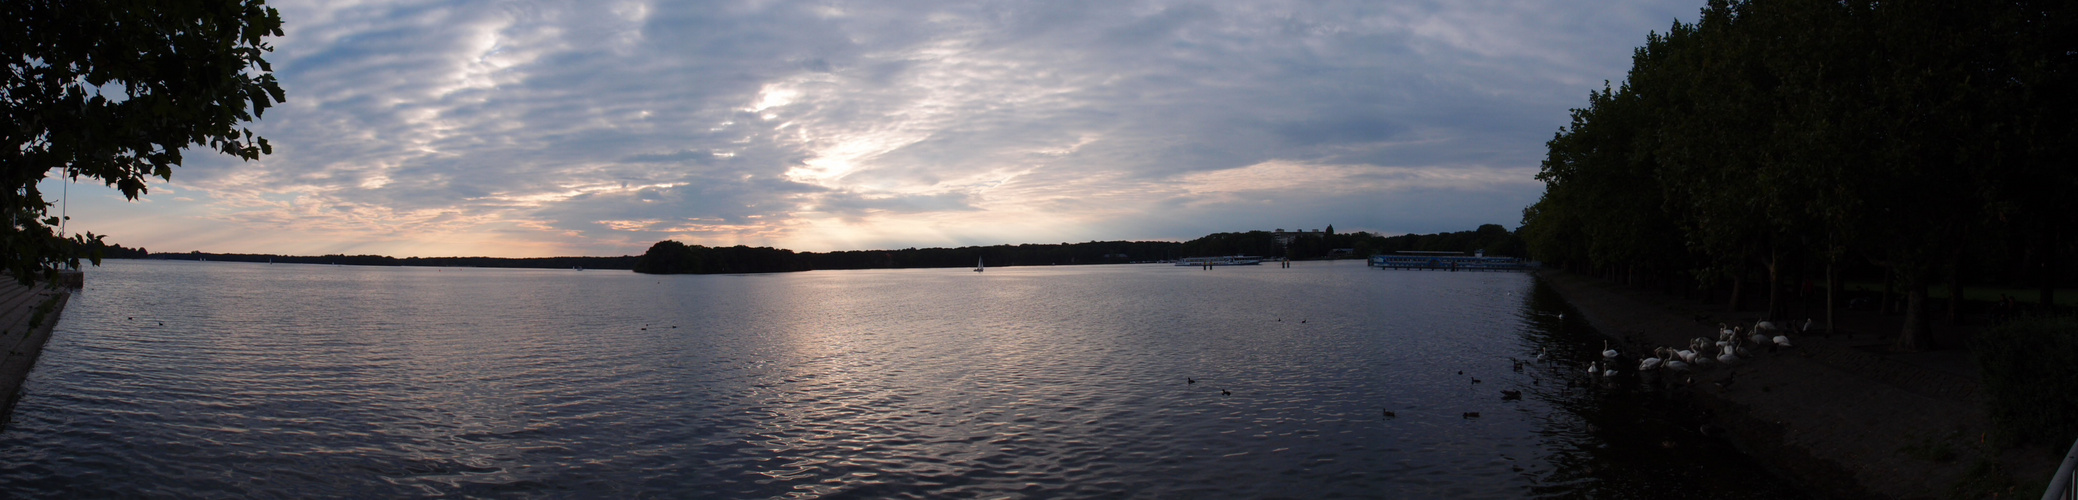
(204, 379)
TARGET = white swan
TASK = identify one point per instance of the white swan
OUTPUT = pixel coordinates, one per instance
(1677, 365)
(1652, 363)
(1608, 353)
(1782, 340)
(1727, 358)
(1764, 325)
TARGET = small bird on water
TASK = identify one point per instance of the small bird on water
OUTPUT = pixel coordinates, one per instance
(1389, 413)
(1471, 414)
(1223, 392)
(1187, 380)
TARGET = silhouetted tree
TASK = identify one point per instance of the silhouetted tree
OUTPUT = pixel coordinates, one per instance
(113, 91)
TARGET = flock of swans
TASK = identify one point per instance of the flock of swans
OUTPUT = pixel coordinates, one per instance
(1733, 345)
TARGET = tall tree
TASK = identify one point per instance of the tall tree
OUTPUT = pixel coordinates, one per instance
(114, 90)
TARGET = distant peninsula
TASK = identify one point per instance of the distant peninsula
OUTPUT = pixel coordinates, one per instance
(673, 257)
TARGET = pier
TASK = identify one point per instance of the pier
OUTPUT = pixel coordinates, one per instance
(1449, 261)
(27, 314)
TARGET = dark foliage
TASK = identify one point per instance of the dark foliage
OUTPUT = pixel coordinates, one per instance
(114, 90)
(1929, 141)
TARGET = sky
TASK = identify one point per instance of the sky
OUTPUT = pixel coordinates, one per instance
(541, 128)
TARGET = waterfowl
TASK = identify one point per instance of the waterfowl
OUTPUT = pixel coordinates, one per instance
(1608, 353)
(1188, 381)
(1652, 363)
(1781, 341)
(1677, 366)
(1507, 394)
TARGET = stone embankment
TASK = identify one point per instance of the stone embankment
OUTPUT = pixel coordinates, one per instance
(27, 315)
(1838, 413)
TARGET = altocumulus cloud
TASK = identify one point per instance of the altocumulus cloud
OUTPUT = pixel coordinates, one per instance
(522, 128)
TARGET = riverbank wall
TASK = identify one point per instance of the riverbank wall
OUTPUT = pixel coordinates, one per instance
(27, 315)
(1840, 414)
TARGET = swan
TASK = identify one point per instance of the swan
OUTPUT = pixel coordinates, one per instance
(1758, 338)
(1540, 354)
(1608, 353)
(1652, 363)
(1782, 340)
(1688, 355)
(1677, 366)
(1764, 325)
(1727, 357)
(1808, 325)
(1594, 369)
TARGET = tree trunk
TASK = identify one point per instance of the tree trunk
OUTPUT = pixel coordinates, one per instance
(2046, 258)
(1831, 283)
(1774, 287)
(1890, 287)
(1916, 335)
(1955, 287)
(1738, 290)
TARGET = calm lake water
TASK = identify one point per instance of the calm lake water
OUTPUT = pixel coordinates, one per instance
(252, 380)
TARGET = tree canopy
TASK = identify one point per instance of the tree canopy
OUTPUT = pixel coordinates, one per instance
(1905, 135)
(113, 91)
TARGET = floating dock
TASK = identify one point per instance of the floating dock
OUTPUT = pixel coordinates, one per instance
(1449, 261)
(27, 314)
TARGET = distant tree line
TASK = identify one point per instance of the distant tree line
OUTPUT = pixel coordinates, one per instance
(116, 251)
(672, 257)
(1492, 238)
(1770, 142)
(623, 262)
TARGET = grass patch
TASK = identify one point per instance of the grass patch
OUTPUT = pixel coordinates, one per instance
(1931, 450)
(2030, 369)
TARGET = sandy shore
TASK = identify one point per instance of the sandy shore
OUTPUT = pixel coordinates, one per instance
(1841, 415)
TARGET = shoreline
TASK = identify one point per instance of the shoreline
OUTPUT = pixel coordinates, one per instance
(23, 332)
(1839, 414)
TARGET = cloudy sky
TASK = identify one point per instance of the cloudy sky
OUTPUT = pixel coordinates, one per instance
(533, 128)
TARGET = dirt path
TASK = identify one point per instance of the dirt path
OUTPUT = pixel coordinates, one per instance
(1840, 415)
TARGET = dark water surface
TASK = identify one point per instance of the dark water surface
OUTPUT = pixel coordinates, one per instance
(252, 380)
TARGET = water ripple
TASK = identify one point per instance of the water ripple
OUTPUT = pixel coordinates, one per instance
(247, 380)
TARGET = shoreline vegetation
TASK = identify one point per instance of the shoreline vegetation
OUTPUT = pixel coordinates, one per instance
(1786, 146)
(673, 257)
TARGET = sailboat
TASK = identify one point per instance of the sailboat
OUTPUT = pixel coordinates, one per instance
(977, 264)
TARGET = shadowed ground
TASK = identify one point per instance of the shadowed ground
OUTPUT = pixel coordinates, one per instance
(1840, 413)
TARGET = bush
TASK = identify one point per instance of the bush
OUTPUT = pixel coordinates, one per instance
(2030, 369)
